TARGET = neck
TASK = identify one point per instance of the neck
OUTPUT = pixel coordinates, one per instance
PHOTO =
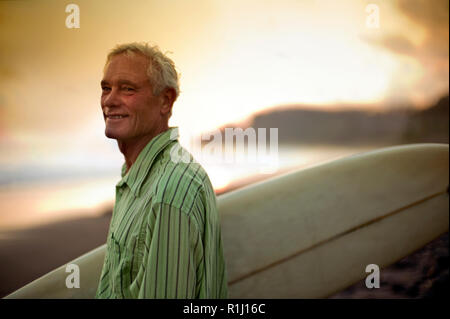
(132, 148)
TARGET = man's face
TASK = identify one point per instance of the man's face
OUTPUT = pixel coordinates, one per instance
(130, 109)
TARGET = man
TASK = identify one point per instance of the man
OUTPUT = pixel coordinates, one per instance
(164, 239)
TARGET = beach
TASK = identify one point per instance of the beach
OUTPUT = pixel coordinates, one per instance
(27, 254)
(30, 253)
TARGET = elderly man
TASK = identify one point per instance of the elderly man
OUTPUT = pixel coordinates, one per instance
(164, 239)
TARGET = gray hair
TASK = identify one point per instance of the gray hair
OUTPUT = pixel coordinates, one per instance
(161, 70)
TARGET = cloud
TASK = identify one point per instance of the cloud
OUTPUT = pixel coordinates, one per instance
(430, 49)
(433, 16)
(430, 14)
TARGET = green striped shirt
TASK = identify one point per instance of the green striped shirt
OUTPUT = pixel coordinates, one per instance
(164, 239)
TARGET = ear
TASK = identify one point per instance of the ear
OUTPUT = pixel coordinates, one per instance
(167, 100)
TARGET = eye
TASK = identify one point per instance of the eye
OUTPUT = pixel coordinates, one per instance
(128, 89)
(106, 88)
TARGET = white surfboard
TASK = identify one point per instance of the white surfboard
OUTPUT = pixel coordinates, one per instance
(311, 233)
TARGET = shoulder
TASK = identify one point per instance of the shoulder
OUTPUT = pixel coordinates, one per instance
(181, 183)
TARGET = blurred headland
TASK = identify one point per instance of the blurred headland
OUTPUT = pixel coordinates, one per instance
(302, 125)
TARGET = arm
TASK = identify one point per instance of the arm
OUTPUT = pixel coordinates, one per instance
(172, 256)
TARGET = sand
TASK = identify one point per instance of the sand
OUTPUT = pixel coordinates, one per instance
(26, 255)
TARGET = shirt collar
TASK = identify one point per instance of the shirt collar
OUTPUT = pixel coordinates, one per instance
(141, 167)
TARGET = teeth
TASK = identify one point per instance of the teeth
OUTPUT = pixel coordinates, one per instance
(116, 116)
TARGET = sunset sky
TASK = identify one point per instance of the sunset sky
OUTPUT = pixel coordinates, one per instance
(235, 57)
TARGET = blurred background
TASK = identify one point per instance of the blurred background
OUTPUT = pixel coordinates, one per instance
(334, 77)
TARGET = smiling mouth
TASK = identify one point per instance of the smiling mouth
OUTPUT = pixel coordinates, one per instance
(115, 117)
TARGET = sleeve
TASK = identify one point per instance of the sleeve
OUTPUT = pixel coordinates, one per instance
(172, 256)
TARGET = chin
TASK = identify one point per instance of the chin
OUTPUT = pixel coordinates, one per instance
(112, 134)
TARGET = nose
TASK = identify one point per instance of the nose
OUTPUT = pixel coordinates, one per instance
(110, 99)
